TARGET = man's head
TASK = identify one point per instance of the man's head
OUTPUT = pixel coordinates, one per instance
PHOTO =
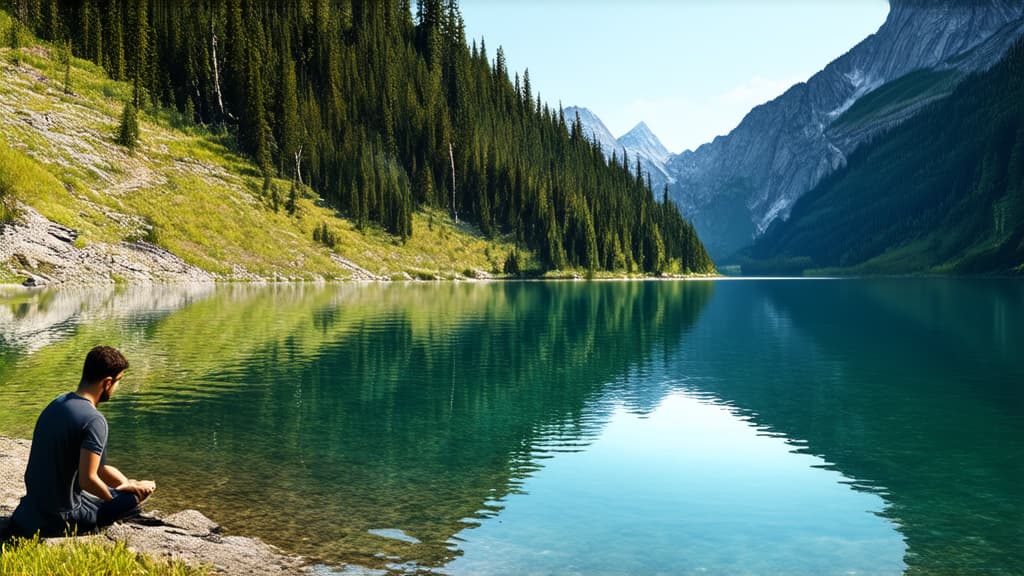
(103, 369)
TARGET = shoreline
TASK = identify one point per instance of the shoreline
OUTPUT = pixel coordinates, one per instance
(187, 535)
(36, 252)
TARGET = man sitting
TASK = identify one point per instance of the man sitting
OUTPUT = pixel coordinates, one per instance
(69, 455)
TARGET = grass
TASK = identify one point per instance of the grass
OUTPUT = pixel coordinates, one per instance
(186, 190)
(74, 556)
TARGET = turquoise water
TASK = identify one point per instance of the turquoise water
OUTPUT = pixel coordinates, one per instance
(729, 427)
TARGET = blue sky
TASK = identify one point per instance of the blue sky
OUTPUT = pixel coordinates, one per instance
(690, 68)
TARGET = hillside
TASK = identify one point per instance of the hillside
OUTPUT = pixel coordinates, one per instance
(90, 211)
(387, 119)
(943, 192)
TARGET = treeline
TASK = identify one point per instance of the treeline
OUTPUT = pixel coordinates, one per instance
(373, 106)
(942, 191)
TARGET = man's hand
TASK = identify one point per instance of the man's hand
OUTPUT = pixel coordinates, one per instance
(141, 488)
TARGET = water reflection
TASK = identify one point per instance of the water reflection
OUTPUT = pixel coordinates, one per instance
(910, 386)
(357, 408)
(686, 488)
(620, 427)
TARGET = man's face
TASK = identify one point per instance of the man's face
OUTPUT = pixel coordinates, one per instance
(109, 384)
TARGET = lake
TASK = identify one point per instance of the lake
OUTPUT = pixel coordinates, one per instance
(662, 427)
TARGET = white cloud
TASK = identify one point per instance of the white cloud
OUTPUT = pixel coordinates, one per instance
(684, 123)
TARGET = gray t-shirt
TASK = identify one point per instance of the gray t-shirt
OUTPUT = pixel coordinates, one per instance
(69, 424)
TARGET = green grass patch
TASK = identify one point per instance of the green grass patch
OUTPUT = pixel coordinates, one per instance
(23, 178)
(73, 557)
(914, 87)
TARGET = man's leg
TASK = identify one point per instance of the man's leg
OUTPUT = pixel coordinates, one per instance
(94, 513)
(123, 505)
(81, 520)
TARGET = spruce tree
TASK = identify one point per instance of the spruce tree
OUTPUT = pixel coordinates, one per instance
(128, 130)
(15, 41)
(289, 204)
(65, 60)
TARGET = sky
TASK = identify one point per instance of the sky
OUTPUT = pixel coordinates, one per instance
(690, 69)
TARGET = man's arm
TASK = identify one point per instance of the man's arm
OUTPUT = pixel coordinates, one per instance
(112, 476)
(89, 475)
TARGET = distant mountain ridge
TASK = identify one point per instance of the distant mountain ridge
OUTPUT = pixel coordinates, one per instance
(734, 187)
(640, 142)
(942, 192)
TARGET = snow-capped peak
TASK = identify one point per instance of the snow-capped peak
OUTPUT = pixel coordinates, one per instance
(641, 139)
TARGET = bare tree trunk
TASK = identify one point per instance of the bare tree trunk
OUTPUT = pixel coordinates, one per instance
(298, 165)
(451, 156)
(216, 71)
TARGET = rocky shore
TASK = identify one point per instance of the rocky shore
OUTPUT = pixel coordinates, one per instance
(46, 253)
(187, 535)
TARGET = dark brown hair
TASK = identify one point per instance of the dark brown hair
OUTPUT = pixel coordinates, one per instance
(101, 362)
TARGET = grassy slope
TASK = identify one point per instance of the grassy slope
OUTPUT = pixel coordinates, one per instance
(894, 97)
(184, 189)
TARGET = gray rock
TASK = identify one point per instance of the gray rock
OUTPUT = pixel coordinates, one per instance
(192, 521)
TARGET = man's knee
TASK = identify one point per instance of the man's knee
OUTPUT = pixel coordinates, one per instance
(123, 505)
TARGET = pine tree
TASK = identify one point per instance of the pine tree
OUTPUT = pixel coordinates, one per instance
(290, 204)
(128, 130)
(15, 41)
(288, 113)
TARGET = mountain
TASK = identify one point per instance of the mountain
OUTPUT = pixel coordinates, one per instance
(734, 187)
(593, 128)
(640, 142)
(942, 192)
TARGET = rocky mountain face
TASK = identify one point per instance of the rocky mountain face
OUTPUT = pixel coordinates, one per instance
(640, 142)
(593, 128)
(734, 187)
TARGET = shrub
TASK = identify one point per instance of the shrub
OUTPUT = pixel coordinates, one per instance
(324, 235)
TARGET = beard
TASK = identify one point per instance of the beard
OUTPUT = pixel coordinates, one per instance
(104, 396)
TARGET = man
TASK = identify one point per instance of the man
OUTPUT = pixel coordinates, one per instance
(69, 455)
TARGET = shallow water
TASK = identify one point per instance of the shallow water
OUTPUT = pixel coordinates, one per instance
(790, 427)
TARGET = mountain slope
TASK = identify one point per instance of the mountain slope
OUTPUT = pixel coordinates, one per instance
(183, 207)
(733, 188)
(593, 128)
(942, 192)
(641, 143)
